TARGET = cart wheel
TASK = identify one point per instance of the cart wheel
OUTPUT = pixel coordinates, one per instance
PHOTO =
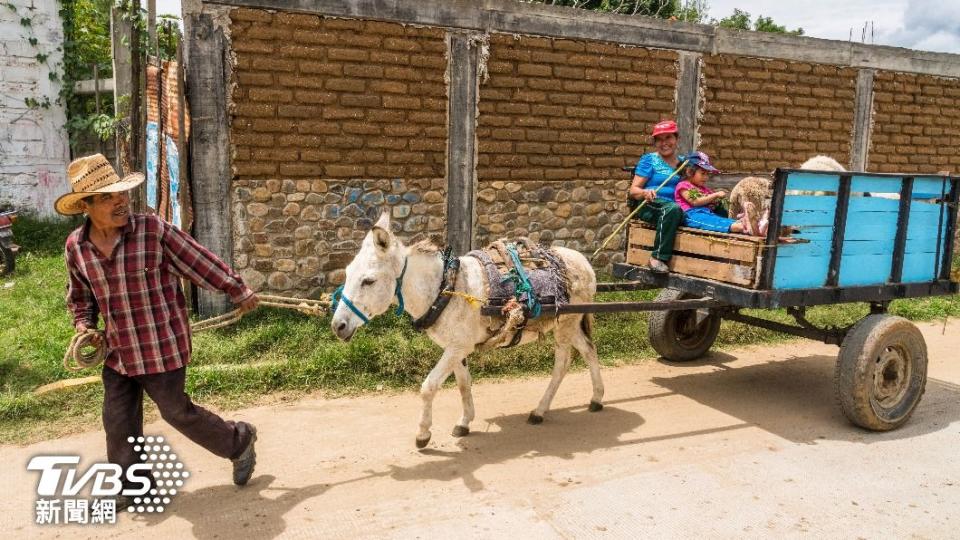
(676, 335)
(7, 261)
(881, 372)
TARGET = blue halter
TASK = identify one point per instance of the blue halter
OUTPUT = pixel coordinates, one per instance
(338, 296)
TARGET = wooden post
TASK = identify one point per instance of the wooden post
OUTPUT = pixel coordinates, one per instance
(152, 28)
(182, 154)
(136, 148)
(209, 146)
(461, 139)
(120, 31)
(96, 102)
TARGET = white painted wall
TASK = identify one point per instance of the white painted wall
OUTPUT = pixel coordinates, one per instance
(34, 149)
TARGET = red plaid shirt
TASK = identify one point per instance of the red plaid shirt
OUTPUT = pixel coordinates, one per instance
(137, 291)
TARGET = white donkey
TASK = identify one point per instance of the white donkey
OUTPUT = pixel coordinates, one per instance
(386, 270)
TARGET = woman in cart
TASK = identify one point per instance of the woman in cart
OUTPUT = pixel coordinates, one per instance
(660, 209)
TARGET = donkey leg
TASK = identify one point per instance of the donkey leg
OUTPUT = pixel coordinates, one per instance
(464, 380)
(428, 390)
(562, 356)
(588, 351)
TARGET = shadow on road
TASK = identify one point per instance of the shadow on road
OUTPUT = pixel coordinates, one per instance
(795, 399)
(254, 511)
(565, 433)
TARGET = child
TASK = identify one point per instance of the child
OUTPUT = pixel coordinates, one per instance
(702, 207)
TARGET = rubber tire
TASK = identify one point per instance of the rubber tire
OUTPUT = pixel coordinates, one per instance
(857, 365)
(662, 327)
(8, 260)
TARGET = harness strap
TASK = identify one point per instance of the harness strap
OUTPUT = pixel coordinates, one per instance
(338, 297)
(448, 281)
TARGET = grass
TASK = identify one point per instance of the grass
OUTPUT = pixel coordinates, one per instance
(278, 355)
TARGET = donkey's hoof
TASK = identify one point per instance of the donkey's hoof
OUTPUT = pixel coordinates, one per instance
(534, 419)
(421, 443)
(461, 431)
(596, 406)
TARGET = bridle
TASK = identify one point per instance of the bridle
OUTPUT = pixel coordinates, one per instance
(338, 297)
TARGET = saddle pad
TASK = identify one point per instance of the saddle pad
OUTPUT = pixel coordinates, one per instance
(544, 268)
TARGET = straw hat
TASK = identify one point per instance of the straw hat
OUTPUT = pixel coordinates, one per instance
(89, 175)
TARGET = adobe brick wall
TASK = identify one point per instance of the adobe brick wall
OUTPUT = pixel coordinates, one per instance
(557, 120)
(333, 120)
(916, 124)
(761, 114)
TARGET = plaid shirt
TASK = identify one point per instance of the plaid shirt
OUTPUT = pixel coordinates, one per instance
(137, 290)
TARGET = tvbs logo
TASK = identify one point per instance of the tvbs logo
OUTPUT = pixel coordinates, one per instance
(146, 486)
(107, 477)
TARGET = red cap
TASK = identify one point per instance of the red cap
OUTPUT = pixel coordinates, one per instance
(667, 126)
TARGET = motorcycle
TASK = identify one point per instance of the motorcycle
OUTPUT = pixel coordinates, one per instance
(8, 249)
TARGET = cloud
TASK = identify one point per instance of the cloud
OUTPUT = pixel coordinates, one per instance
(930, 25)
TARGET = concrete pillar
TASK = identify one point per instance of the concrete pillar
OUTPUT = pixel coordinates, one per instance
(862, 121)
(688, 100)
(462, 65)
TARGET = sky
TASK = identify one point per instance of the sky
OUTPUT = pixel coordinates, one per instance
(930, 25)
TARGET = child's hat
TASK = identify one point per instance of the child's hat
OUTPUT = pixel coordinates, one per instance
(699, 159)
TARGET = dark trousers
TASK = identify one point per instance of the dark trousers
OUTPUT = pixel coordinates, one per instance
(666, 216)
(123, 416)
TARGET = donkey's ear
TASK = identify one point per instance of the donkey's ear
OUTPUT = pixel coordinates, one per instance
(384, 221)
(381, 237)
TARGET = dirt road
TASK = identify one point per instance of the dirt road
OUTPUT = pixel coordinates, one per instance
(743, 445)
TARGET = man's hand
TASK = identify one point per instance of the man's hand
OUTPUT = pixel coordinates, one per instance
(249, 304)
(95, 340)
(648, 194)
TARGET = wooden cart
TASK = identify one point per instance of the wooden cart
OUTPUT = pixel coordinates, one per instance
(861, 237)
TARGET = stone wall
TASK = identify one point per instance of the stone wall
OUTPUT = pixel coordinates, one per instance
(334, 120)
(762, 114)
(916, 124)
(33, 142)
(557, 121)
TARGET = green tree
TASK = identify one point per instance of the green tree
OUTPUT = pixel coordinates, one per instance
(686, 10)
(86, 30)
(741, 20)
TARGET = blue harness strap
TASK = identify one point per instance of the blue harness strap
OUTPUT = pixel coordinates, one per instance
(338, 297)
(398, 290)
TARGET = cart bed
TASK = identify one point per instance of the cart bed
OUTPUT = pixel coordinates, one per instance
(863, 237)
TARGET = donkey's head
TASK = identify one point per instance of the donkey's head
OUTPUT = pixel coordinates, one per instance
(372, 280)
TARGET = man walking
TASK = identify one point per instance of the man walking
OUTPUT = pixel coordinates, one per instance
(126, 268)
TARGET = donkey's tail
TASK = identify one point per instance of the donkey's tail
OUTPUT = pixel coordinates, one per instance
(586, 324)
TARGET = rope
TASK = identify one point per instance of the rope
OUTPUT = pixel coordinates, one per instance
(635, 210)
(522, 283)
(81, 340)
(471, 299)
(83, 360)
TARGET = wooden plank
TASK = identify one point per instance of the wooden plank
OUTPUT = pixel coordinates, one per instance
(865, 269)
(709, 246)
(918, 267)
(726, 272)
(876, 184)
(801, 181)
(701, 232)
